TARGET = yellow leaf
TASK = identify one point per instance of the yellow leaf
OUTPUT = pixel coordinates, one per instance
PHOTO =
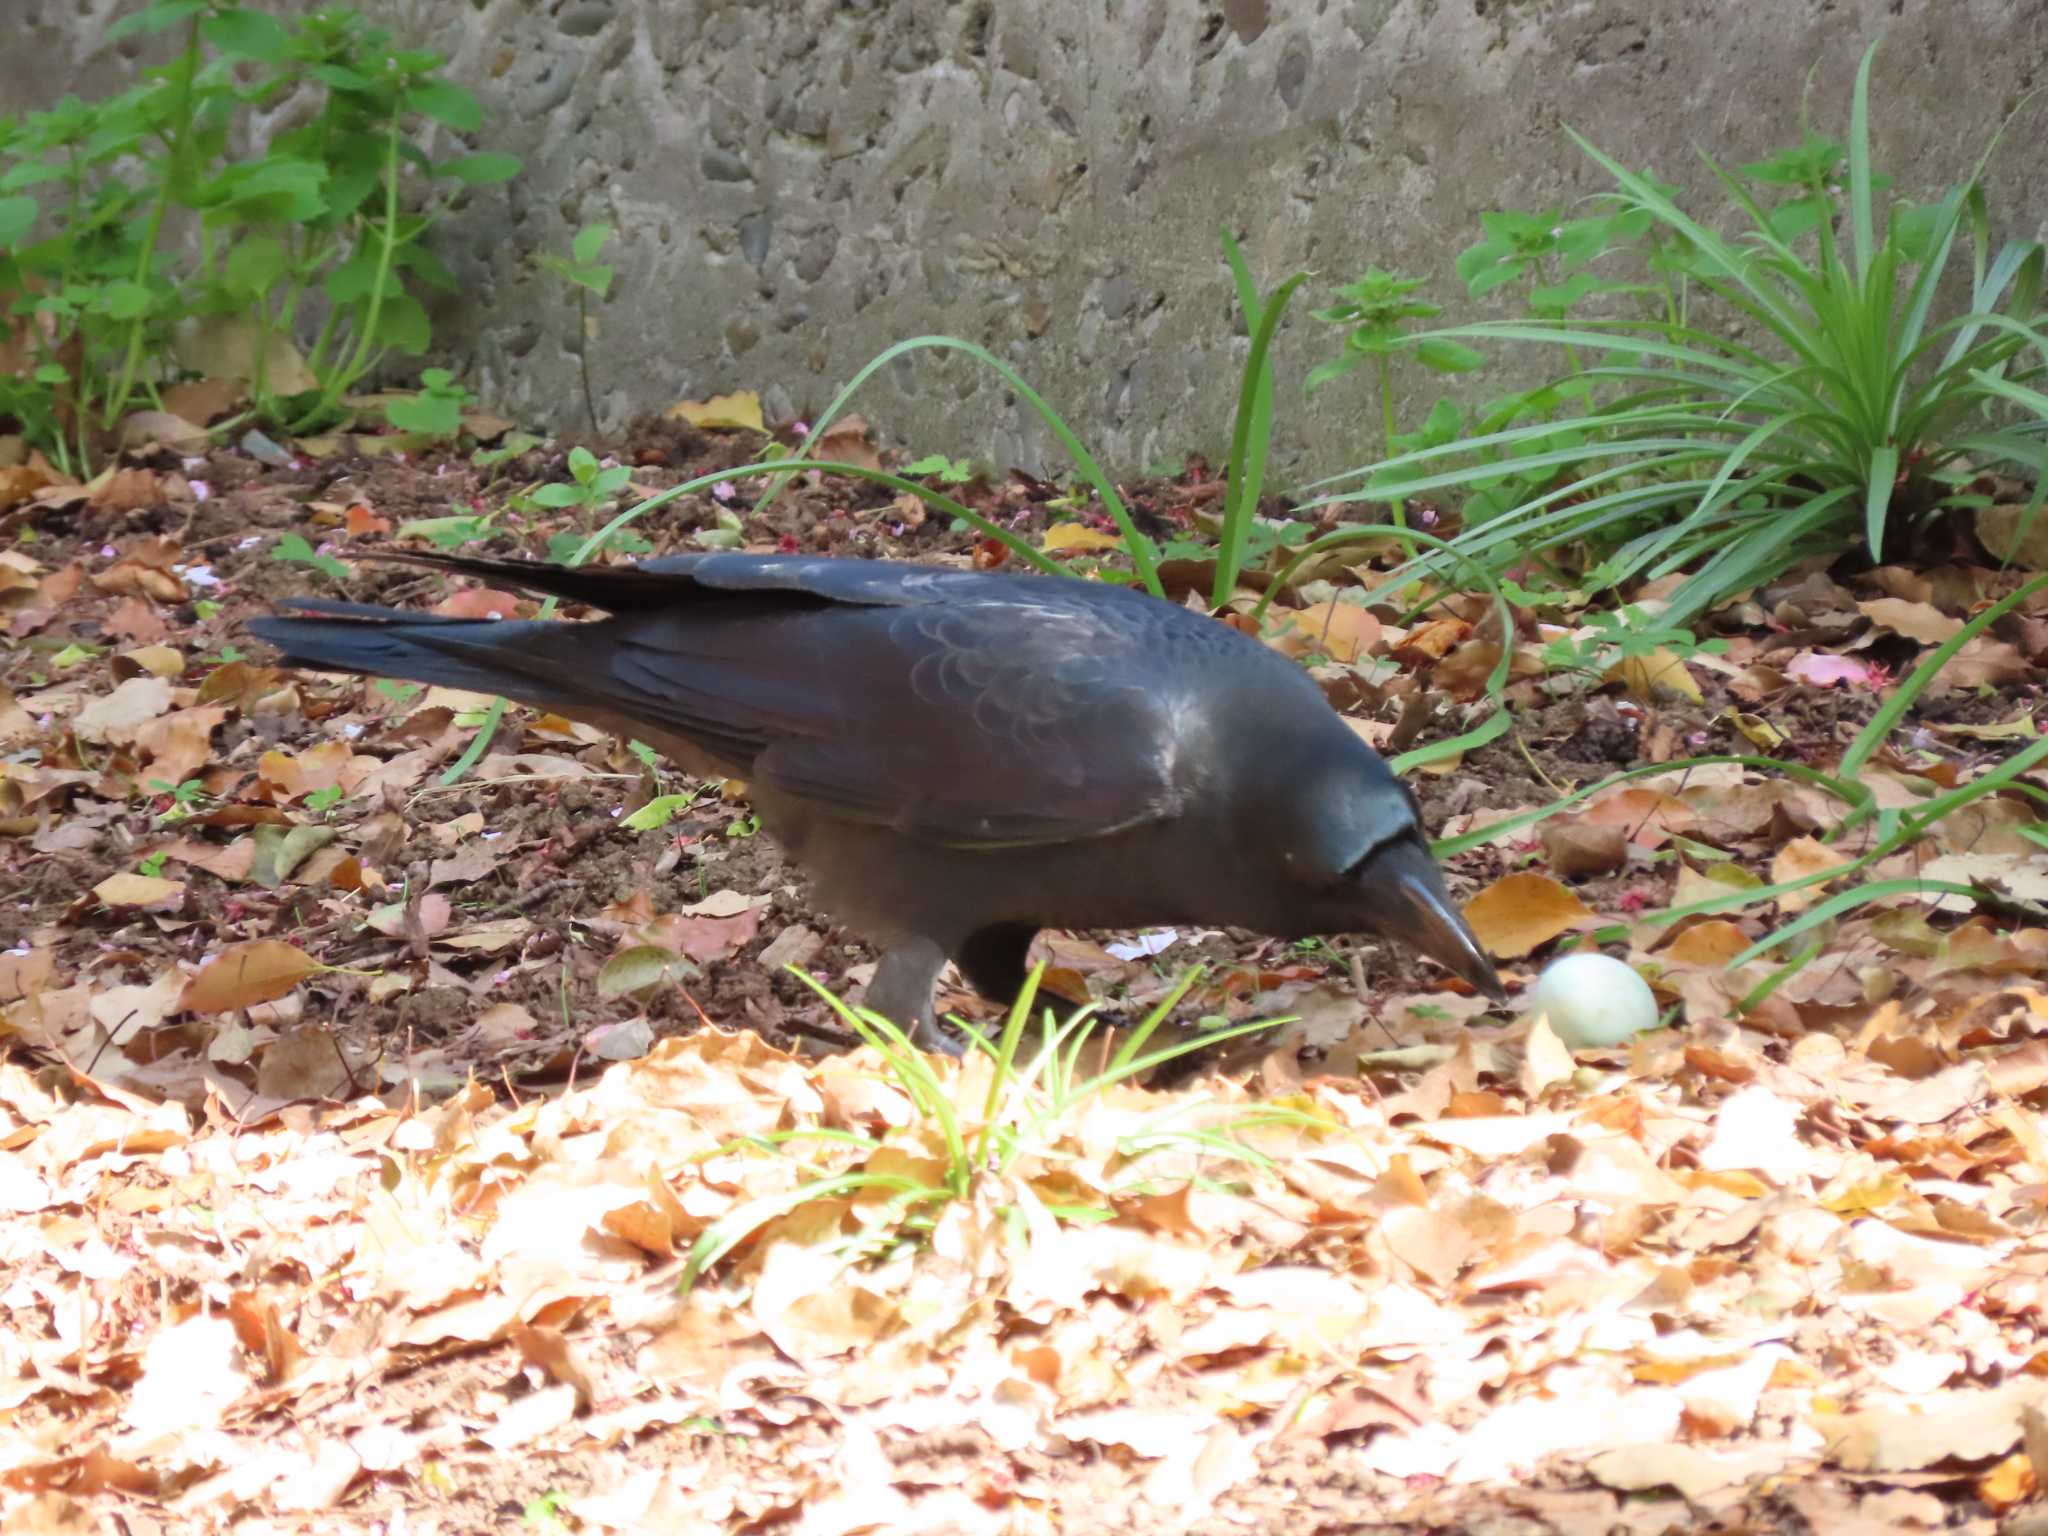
(739, 411)
(1713, 942)
(133, 890)
(1078, 536)
(2020, 726)
(1341, 631)
(1760, 732)
(2008, 1483)
(1520, 911)
(1655, 674)
(155, 660)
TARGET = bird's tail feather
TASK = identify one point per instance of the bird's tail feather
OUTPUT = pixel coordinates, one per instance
(482, 655)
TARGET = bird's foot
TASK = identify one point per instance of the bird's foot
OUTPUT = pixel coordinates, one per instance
(930, 1035)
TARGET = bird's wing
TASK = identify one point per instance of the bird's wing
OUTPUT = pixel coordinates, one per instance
(994, 724)
(959, 709)
(972, 723)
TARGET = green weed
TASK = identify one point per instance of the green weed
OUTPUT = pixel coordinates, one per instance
(142, 234)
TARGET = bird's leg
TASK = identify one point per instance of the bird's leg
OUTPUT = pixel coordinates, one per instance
(902, 993)
(996, 960)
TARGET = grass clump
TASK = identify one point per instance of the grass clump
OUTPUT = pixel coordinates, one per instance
(148, 235)
(1801, 387)
(1010, 1112)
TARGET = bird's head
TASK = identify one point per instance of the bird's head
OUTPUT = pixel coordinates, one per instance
(1357, 851)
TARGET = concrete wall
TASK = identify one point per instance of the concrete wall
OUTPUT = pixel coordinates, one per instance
(799, 183)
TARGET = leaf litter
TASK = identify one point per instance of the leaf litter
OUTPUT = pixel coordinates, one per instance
(356, 1130)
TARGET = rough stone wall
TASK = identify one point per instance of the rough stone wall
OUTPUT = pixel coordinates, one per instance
(799, 183)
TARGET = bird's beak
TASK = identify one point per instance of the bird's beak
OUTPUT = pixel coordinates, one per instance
(1410, 904)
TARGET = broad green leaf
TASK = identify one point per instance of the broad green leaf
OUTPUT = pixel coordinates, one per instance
(1336, 368)
(482, 170)
(243, 34)
(254, 265)
(403, 323)
(156, 18)
(342, 78)
(1449, 356)
(446, 102)
(558, 495)
(126, 299)
(17, 218)
(437, 415)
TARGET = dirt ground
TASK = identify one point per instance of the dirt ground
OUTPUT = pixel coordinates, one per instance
(395, 1242)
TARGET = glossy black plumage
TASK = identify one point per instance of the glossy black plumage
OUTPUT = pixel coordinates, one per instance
(959, 758)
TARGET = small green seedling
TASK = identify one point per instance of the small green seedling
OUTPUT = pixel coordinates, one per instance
(293, 549)
(587, 275)
(436, 411)
(937, 466)
(591, 485)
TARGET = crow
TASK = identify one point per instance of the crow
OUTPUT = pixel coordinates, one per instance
(958, 758)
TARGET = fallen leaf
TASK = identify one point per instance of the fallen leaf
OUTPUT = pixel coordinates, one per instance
(1521, 911)
(1575, 848)
(740, 411)
(1712, 942)
(134, 890)
(1341, 631)
(643, 968)
(1065, 536)
(232, 346)
(1916, 621)
(117, 716)
(1799, 858)
(1966, 1425)
(1648, 817)
(1655, 675)
(244, 975)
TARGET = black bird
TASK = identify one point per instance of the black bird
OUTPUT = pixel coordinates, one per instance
(959, 758)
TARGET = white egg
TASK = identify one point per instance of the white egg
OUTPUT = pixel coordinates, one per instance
(1592, 1000)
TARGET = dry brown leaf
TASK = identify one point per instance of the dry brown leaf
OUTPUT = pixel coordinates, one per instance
(1648, 817)
(119, 715)
(1711, 942)
(1982, 663)
(1966, 1425)
(244, 975)
(1575, 848)
(1916, 621)
(1801, 857)
(134, 890)
(1522, 911)
(232, 346)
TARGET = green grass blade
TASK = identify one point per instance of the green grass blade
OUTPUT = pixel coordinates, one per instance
(1863, 242)
(1846, 901)
(1135, 543)
(1497, 679)
(1894, 708)
(1843, 789)
(1251, 435)
(1768, 549)
(1491, 728)
(1877, 496)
